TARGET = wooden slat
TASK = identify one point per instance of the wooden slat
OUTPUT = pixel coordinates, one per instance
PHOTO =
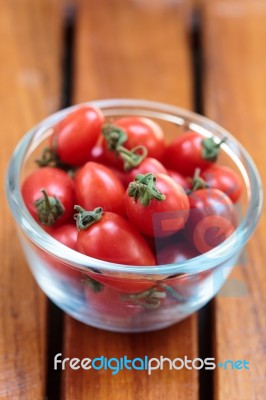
(29, 72)
(132, 49)
(235, 87)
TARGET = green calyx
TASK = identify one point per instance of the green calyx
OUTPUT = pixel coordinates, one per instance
(149, 299)
(132, 158)
(96, 287)
(84, 218)
(114, 136)
(49, 158)
(144, 189)
(49, 209)
(211, 149)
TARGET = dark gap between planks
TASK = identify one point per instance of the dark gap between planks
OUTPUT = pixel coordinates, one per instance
(205, 322)
(55, 317)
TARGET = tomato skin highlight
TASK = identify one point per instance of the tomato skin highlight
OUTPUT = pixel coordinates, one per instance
(75, 135)
(57, 183)
(160, 218)
(97, 153)
(97, 186)
(184, 154)
(212, 219)
(225, 179)
(113, 239)
(140, 131)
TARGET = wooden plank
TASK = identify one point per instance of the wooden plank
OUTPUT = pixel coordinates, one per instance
(29, 70)
(136, 49)
(235, 86)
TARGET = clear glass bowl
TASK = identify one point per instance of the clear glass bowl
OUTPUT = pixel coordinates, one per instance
(65, 275)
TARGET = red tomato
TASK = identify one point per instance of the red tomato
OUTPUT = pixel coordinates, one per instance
(111, 238)
(149, 165)
(139, 131)
(224, 179)
(174, 253)
(109, 302)
(76, 134)
(157, 206)
(190, 151)
(212, 219)
(178, 178)
(61, 196)
(97, 186)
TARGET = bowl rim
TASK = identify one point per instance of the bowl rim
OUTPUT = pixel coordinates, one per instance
(232, 245)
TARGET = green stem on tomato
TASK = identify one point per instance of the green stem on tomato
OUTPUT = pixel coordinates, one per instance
(211, 149)
(114, 136)
(132, 158)
(84, 218)
(49, 158)
(144, 189)
(197, 182)
(49, 209)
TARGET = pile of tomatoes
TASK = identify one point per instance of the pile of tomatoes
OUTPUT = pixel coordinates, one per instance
(117, 192)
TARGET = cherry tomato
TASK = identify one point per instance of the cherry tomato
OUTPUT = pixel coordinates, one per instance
(148, 165)
(109, 302)
(97, 185)
(156, 205)
(138, 131)
(76, 134)
(53, 207)
(110, 237)
(190, 151)
(113, 239)
(178, 178)
(225, 179)
(212, 219)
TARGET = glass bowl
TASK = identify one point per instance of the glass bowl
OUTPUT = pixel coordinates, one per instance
(170, 292)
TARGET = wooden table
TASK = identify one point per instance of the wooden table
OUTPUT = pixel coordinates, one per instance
(204, 55)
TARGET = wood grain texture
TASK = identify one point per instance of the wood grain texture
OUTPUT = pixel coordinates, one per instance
(137, 49)
(235, 96)
(29, 75)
